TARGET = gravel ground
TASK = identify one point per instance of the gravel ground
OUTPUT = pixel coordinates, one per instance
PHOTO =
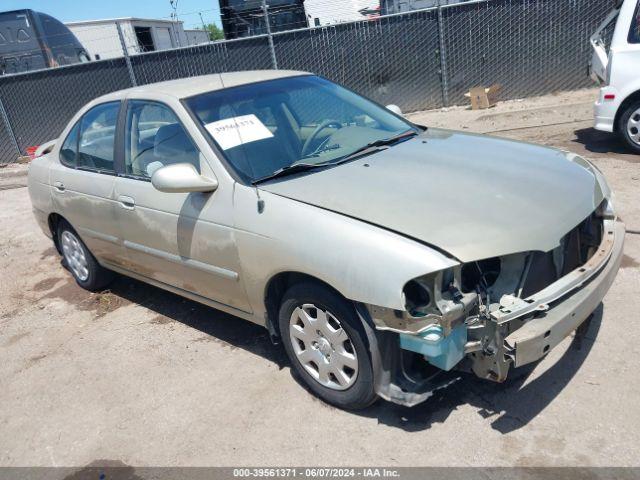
(142, 377)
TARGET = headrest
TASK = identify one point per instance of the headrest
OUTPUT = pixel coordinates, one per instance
(171, 141)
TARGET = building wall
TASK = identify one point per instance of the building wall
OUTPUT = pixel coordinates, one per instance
(328, 12)
(196, 37)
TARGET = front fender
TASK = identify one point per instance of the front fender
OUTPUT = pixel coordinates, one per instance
(365, 263)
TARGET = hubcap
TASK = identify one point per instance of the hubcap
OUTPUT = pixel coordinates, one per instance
(74, 255)
(633, 127)
(323, 347)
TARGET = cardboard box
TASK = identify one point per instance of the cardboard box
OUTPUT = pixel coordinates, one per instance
(483, 97)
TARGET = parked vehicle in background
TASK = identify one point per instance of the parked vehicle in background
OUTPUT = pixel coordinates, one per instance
(328, 12)
(616, 65)
(381, 253)
(399, 6)
(241, 18)
(32, 40)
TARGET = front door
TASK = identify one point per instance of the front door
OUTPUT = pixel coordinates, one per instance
(84, 179)
(180, 239)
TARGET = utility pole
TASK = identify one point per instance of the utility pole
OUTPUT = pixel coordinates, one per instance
(204, 27)
(265, 11)
(127, 60)
(174, 20)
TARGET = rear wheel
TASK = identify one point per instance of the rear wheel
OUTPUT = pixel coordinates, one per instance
(629, 126)
(325, 342)
(79, 260)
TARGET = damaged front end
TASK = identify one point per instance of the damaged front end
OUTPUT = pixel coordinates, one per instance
(490, 315)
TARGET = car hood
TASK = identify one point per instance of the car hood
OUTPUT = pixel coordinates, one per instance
(473, 196)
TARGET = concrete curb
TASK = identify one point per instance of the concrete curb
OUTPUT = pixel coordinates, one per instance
(18, 170)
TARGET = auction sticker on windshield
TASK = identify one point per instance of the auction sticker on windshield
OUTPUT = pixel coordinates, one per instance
(235, 131)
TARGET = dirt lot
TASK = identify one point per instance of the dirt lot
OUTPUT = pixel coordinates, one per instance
(141, 376)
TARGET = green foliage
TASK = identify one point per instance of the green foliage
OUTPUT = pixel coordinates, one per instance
(215, 33)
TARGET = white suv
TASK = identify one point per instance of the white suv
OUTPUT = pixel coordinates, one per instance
(616, 65)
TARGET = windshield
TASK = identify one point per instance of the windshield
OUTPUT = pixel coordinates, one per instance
(265, 127)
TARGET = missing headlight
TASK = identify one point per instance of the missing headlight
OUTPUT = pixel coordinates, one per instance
(417, 298)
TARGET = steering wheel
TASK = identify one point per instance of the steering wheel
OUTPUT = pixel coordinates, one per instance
(316, 131)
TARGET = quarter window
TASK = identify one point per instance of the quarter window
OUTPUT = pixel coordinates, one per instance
(154, 138)
(69, 150)
(97, 137)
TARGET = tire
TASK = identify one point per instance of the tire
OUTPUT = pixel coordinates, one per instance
(330, 353)
(79, 261)
(629, 126)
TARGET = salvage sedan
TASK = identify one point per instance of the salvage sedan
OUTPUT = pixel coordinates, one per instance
(382, 254)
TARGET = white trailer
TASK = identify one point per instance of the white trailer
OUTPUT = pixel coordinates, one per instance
(100, 37)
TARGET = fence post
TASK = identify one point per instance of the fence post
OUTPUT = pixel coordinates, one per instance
(443, 59)
(5, 119)
(125, 50)
(265, 11)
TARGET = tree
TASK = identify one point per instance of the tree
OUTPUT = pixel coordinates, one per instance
(215, 33)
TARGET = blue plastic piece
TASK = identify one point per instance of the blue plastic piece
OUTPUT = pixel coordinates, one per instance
(440, 351)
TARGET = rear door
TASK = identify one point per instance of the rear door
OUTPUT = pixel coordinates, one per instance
(84, 179)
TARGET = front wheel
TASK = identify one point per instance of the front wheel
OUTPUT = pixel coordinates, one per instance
(80, 262)
(629, 126)
(326, 344)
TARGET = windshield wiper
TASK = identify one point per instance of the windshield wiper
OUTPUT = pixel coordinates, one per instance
(377, 145)
(366, 149)
(291, 169)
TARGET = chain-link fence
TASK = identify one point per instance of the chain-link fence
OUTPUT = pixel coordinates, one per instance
(417, 60)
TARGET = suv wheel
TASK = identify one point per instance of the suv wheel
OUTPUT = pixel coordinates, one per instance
(629, 126)
(326, 345)
(79, 260)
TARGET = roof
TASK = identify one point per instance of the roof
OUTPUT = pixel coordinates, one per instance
(121, 19)
(187, 87)
(16, 11)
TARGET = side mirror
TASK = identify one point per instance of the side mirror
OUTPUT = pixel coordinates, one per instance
(181, 178)
(395, 109)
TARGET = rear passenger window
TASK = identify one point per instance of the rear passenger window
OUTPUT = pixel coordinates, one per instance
(69, 150)
(154, 138)
(97, 137)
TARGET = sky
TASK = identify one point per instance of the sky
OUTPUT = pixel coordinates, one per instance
(70, 10)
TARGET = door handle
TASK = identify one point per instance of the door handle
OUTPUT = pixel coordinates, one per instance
(59, 186)
(127, 202)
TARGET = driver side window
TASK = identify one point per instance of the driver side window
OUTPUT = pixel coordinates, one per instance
(154, 138)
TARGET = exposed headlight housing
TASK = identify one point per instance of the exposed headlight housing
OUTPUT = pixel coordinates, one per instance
(417, 296)
(433, 299)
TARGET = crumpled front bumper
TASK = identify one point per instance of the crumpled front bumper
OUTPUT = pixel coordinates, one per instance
(542, 333)
(524, 331)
